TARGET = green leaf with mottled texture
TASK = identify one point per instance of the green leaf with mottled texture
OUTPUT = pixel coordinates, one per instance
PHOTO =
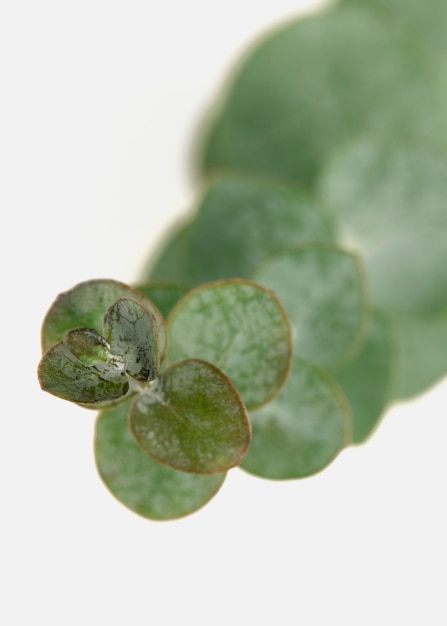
(163, 294)
(131, 331)
(390, 198)
(193, 420)
(313, 82)
(368, 378)
(241, 220)
(322, 288)
(145, 486)
(302, 430)
(62, 374)
(85, 306)
(239, 326)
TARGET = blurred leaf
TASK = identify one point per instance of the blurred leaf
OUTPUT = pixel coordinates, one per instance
(390, 197)
(85, 306)
(310, 84)
(63, 375)
(239, 326)
(142, 484)
(367, 379)
(241, 220)
(322, 289)
(421, 352)
(171, 261)
(132, 333)
(164, 295)
(194, 420)
(426, 21)
(302, 430)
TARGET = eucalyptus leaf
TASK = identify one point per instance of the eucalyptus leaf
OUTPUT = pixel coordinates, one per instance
(62, 374)
(131, 331)
(368, 378)
(170, 262)
(421, 353)
(240, 220)
(322, 288)
(425, 21)
(193, 420)
(145, 486)
(302, 430)
(389, 195)
(313, 82)
(239, 326)
(85, 306)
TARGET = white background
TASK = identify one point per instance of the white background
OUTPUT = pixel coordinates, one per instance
(99, 104)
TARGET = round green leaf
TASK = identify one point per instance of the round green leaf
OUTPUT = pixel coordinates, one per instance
(310, 84)
(390, 197)
(239, 326)
(193, 420)
(62, 374)
(85, 306)
(302, 430)
(368, 378)
(241, 220)
(145, 486)
(322, 289)
(163, 294)
(132, 334)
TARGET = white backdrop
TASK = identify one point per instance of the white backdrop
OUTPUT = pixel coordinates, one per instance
(100, 101)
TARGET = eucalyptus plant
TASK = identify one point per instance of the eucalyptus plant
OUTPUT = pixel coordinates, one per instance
(303, 294)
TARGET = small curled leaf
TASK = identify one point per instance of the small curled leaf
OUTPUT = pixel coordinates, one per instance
(131, 331)
(62, 374)
(87, 345)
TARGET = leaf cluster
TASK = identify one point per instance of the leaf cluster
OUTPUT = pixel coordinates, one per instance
(303, 294)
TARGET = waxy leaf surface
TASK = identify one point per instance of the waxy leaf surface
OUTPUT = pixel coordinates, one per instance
(145, 486)
(131, 331)
(85, 306)
(322, 289)
(239, 326)
(194, 420)
(310, 84)
(242, 220)
(62, 374)
(390, 198)
(302, 430)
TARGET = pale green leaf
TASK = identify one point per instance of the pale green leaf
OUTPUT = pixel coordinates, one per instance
(239, 326)
(145, 486)
(241, 220)
(302, 430)
(389, 196)
(368, 378)
(322, 288)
